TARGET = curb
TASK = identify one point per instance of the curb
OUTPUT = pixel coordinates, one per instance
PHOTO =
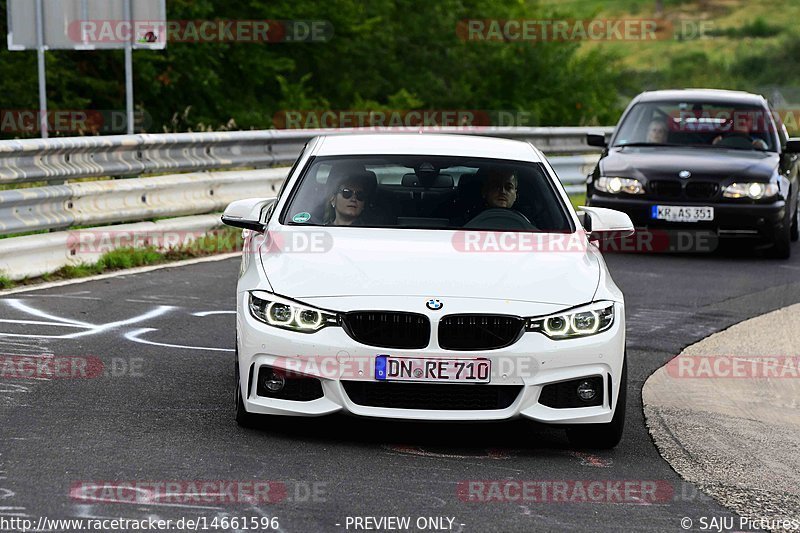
(725, 414)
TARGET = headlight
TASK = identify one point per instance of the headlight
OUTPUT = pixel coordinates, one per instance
(754, 191)
(580, 322)
(616, 185)
(286, 314)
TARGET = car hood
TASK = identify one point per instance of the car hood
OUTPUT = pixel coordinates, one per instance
(668, 161)
(427, 263)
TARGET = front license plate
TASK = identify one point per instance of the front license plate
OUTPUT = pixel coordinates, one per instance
(682, 213)
(388, 368)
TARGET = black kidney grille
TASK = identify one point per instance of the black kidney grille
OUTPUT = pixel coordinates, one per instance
(479, 332)
(388, 329)
(702, 189)
(667, 189)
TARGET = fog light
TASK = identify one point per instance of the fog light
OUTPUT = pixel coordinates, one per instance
(274, 382)
(586, 391)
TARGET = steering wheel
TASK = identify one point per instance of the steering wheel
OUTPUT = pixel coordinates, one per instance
(499, 218)
(736, 139)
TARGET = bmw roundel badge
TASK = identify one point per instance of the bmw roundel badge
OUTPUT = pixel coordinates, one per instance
(434, 305)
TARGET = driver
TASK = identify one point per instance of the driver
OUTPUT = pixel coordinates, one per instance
(500, 188)
(742, 126)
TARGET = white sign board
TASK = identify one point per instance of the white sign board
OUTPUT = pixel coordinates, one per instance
(88, 24)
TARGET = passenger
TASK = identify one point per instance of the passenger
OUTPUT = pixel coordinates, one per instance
(351, 195)
(500, 188)
(657, 131)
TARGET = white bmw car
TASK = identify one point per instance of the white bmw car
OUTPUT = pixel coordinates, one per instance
(429, 277)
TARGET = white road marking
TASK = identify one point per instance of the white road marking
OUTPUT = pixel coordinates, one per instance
(13, 387)
(39, 323)
(25, 308)
(208, 313)
(134, 336)
(66, 296)
(89, 329)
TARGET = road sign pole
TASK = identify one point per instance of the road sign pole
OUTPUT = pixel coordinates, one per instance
(42, 69)
(128, 66)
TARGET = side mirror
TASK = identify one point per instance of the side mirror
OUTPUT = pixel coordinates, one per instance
(793, 145)
(606, 223)
(586, 221)
(596, 139)
(246, 214)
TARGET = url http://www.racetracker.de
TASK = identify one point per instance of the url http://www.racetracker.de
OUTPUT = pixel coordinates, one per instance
(201, 523)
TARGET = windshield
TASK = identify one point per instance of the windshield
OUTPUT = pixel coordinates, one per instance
(704, 124)
(431, 192)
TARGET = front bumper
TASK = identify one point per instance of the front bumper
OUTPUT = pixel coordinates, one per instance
(331, 356)
(755, 222)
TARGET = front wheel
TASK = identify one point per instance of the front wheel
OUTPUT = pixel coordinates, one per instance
(603, 436)
(782, 245)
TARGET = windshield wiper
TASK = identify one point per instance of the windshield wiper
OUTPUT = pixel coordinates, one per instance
(645, 144)
(741, 148)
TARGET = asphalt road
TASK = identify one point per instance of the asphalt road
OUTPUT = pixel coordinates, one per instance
(161, 410)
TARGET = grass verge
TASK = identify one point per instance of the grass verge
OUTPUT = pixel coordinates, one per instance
(224, 240)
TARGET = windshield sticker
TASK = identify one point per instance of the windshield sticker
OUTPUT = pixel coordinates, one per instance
(301, 217)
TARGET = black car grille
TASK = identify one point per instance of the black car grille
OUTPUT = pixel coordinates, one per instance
(666, 189)
(388, 329)
(433, 396)
(479, 332)
(701, 189)
(693, 190)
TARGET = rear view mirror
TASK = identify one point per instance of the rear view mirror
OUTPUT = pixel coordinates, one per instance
(246, 214)
(596, 139)
(603, 224)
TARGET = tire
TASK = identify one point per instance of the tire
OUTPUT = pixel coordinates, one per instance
(782, 245)
(794, 235)
(243, 418)
(603, 436)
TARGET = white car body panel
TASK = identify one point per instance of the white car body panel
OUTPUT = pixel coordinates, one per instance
(400, 269)
(389, 262)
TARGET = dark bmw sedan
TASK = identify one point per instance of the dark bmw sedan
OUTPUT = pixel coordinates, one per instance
(703, 160)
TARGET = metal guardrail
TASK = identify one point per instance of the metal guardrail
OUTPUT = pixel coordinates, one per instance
(193, 192)
(59, 159)
(102, 202)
